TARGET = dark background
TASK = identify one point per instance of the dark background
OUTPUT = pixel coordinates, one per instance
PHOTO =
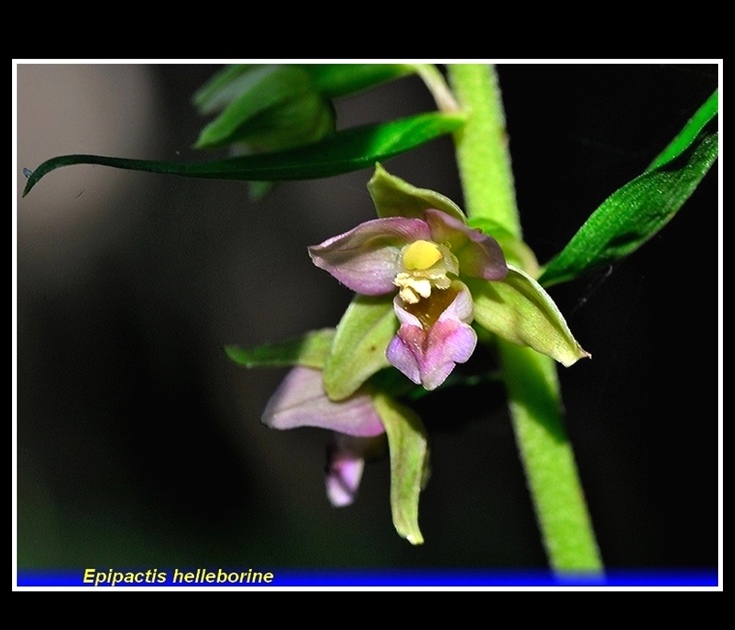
(140, 444)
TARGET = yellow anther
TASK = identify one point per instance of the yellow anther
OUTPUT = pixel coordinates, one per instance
(421, 255)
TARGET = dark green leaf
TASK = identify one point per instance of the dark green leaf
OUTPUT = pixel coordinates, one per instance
(346, 151)
(638, 210)
(339, 79)
(222, 88)
(689, 133)
(275, 107)
(311, 350)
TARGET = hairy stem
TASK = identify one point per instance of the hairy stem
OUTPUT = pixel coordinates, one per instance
(535, 405)
(531, 380)
(482, 147)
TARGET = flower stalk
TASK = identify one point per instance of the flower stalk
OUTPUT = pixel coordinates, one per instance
(531, 381)
(481, 147)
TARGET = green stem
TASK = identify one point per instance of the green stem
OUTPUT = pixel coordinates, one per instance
(531, 380)
(482, 147)
(535, 401)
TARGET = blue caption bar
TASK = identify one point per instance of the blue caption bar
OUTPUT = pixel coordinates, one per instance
(238, 577)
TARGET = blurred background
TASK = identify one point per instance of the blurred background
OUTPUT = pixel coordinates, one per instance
(140, 443)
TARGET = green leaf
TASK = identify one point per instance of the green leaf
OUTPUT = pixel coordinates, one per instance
(331, 80)
(637, 211)
(276, 107)
(689, 133)
(395, 197)
(311, 350)
(409, 455)
(346, 151)
(520, 311)
(339, 79)
(359, 346)
(225, 85)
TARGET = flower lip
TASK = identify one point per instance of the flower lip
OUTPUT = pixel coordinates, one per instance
(431, 340)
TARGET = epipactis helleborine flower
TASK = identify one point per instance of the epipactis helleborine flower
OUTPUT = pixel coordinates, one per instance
(358, 431)
(423, 259)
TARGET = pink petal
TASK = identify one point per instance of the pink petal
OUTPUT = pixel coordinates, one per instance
(345, 463)
(479, 255)
(367, 258)
(300, 401)
(344, 473)
(427, 357)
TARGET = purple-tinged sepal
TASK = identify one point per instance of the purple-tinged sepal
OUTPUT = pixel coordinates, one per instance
(366, 258)
(479, 255)
(300, 401)
(358, 432)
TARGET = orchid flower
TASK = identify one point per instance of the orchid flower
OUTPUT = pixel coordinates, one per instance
(358, 431)
(443, 275)
(423, 277)
(422, 260)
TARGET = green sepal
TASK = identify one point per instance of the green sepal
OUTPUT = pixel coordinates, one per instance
(409, 457)
(634, 213)
(520, 311)
(309, 350)
(394, 197)
(358, 351)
